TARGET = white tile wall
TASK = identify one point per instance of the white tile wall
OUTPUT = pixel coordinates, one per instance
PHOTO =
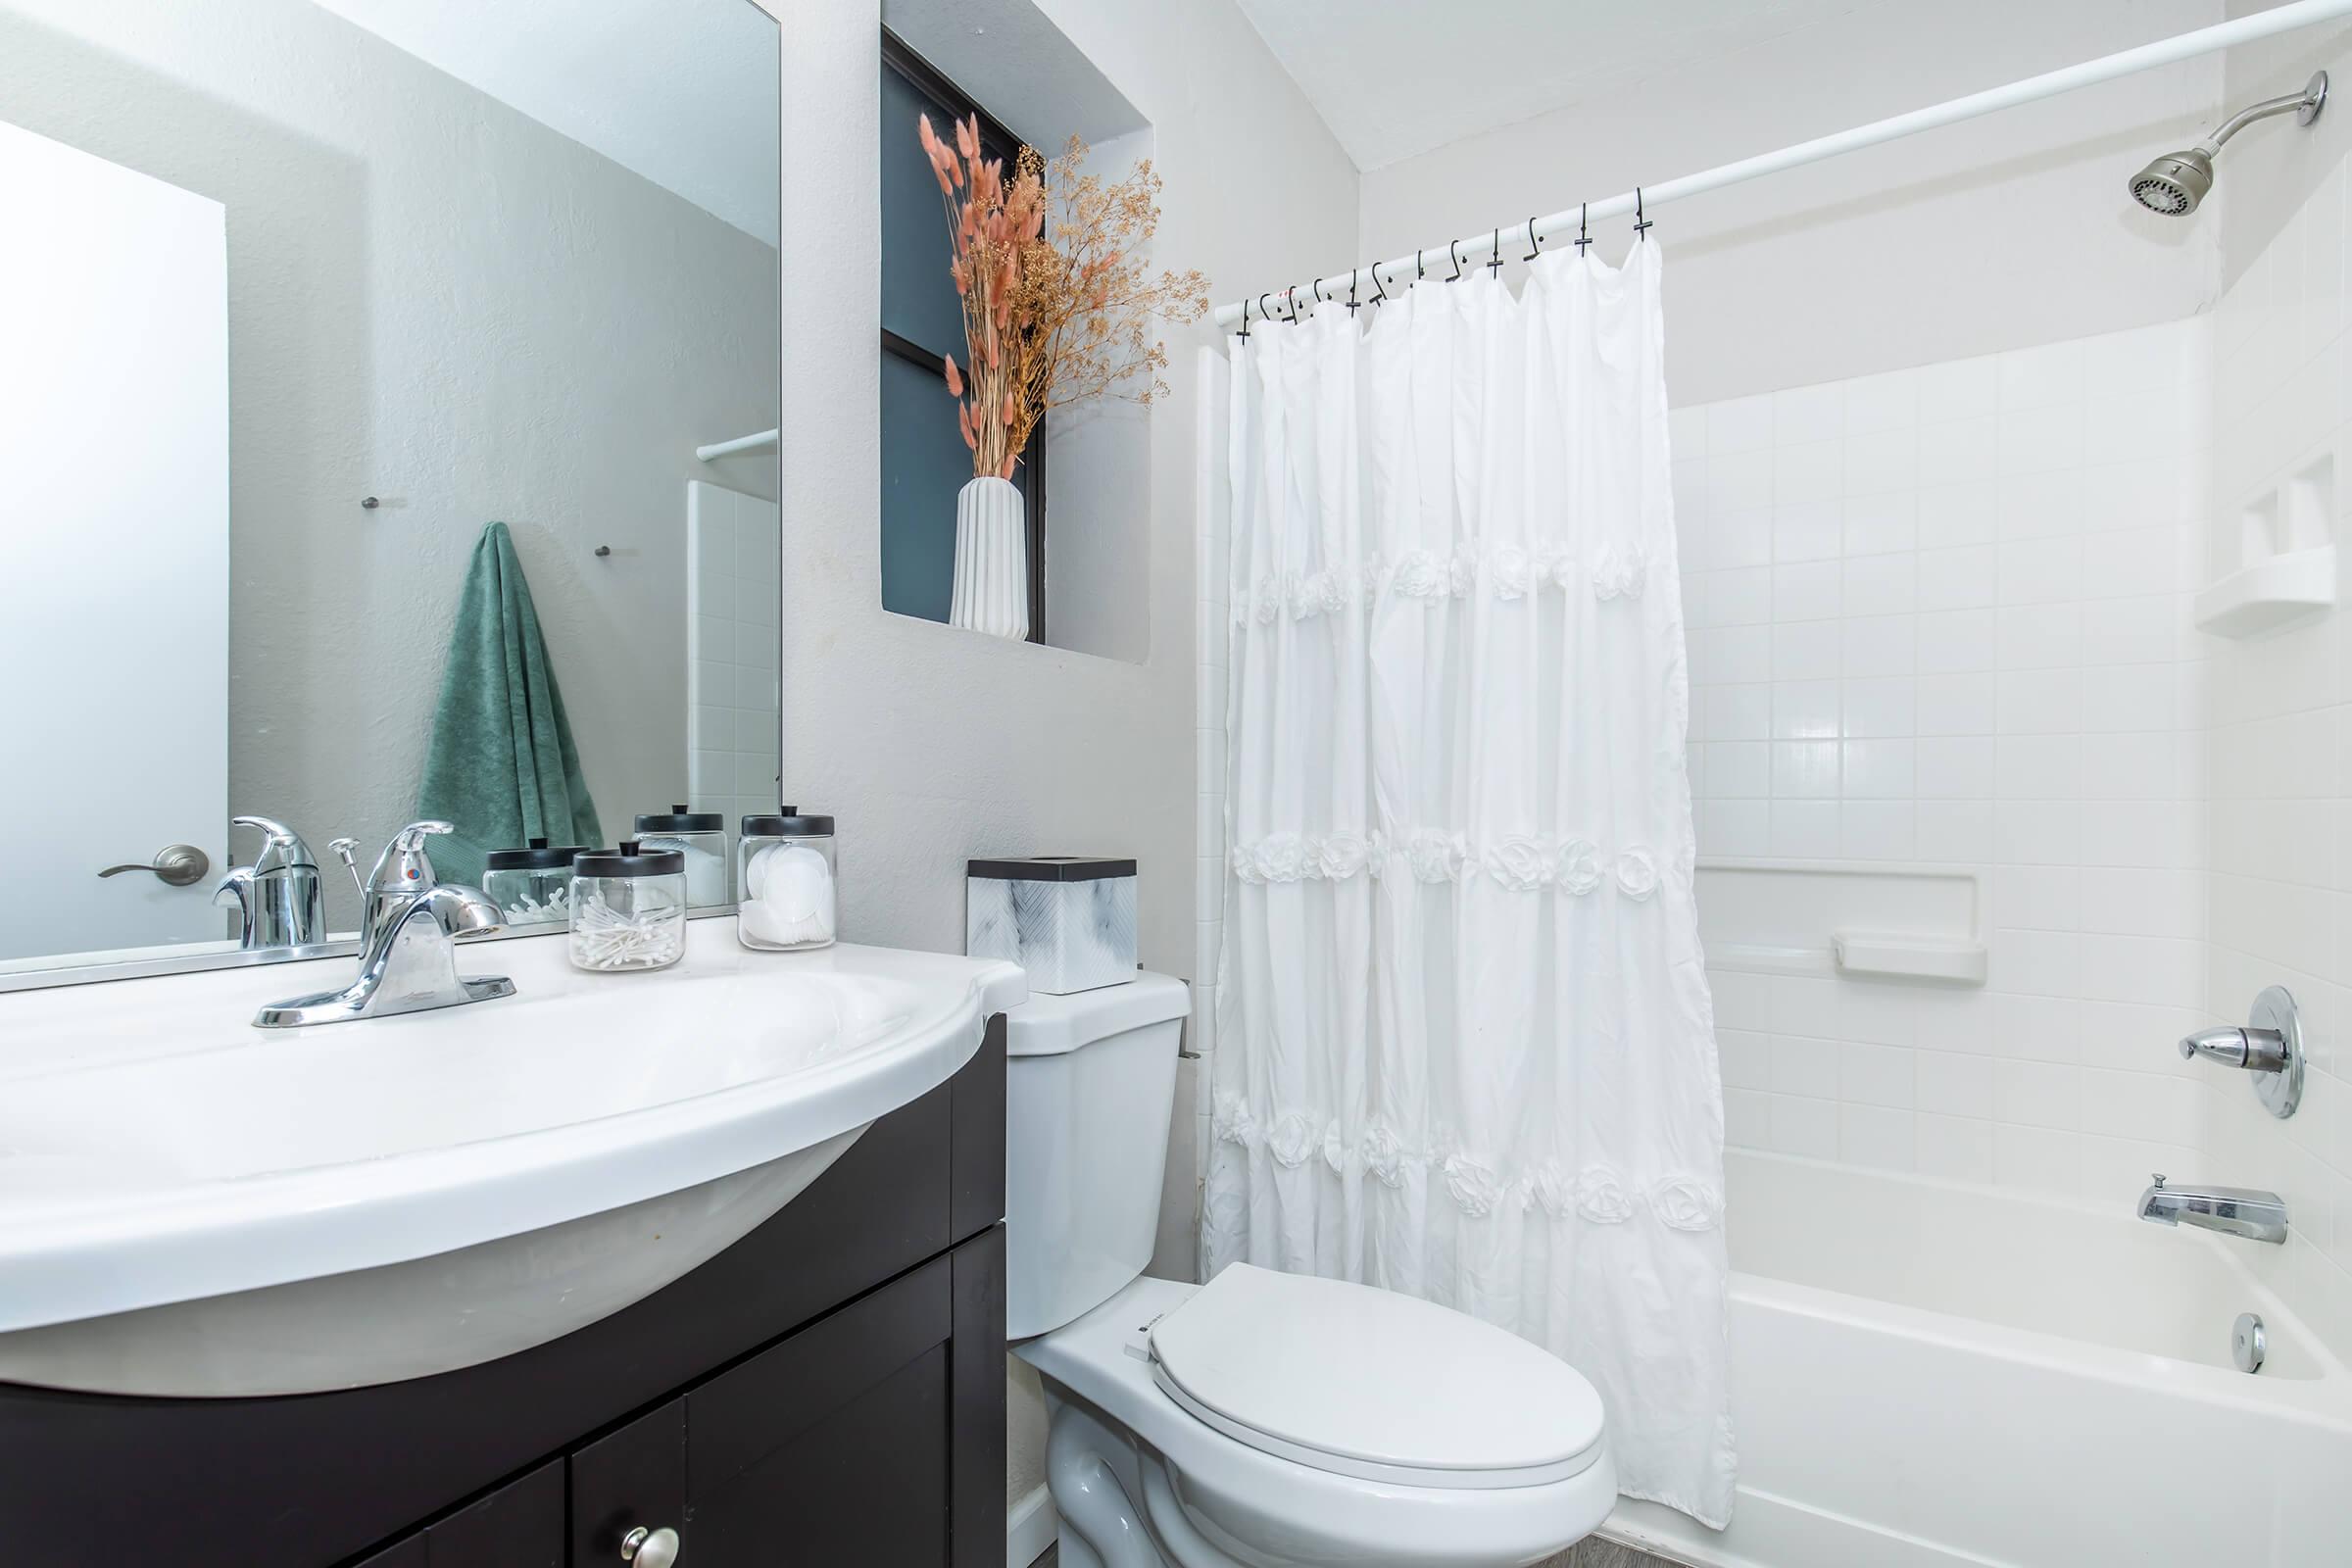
(734, 591)
(2277, 724)
(1938, 616)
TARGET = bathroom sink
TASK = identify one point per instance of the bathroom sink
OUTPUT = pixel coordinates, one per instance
(189, 1205)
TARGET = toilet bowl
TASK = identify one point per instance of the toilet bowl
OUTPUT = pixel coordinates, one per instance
(1263, 1419)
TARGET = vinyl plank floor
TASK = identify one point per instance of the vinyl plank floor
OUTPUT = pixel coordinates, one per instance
(1594, 1553)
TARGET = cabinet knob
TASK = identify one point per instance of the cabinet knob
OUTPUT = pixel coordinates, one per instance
(650, 1549)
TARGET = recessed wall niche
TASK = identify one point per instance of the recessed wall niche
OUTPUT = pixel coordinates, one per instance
(1088, 493)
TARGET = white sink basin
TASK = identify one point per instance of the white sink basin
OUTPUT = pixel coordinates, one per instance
(190, 1206)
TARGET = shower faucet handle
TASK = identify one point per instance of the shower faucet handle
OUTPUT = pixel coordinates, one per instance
(2248, 1046)
(2269, 1045)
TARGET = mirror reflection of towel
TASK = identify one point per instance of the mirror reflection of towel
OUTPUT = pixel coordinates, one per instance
(500, 766)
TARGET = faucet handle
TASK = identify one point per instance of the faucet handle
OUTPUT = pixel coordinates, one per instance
(403, 865)
(2225, 1044)
(2252, 1047)
(2156, 1179)
(348, 852)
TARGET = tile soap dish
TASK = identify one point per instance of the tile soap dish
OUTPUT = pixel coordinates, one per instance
(2268, 593)
(2287, 558)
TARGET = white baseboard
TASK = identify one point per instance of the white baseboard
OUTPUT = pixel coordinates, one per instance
(1030, 1526)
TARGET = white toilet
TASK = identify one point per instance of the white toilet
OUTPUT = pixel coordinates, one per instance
(1263, 1419)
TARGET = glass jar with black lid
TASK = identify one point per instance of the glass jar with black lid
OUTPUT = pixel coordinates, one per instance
(784, 872)
(702, 838)
(628, 907)
(530, 886)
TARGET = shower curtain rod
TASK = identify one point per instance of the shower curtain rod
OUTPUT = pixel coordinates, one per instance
(1460, 254)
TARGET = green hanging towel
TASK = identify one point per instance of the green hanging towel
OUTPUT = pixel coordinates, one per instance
(500, 766)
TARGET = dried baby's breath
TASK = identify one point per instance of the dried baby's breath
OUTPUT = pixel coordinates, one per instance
(1058, 307)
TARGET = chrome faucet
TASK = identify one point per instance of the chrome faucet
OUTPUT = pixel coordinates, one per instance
(2246, 1211)
(279, 895)
(409, 923)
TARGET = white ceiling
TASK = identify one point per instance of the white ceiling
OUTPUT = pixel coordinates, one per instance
(1398, 78)
(680, 91)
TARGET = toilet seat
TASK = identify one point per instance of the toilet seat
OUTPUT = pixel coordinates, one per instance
(1355, 1381)
(1206, 1496)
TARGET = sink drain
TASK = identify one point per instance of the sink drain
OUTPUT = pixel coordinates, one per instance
(2246, 1344)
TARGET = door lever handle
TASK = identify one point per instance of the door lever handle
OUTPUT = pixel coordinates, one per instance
(178, 866)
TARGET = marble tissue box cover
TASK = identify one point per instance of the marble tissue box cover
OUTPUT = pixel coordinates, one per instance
(1070, 922)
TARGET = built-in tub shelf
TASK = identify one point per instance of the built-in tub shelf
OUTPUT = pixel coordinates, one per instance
(1832, 917)
(1902, 958)
(2285, 556)
(2270, 593)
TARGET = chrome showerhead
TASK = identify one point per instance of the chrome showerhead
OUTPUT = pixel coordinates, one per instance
(2174, 184)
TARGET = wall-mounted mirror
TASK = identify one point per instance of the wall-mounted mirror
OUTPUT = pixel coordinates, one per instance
(386, 431)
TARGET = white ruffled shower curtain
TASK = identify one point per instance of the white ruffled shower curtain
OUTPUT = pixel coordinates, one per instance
(1465, 1048)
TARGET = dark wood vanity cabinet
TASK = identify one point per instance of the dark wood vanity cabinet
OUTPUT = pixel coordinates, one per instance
(826, 1448)
(829, 1391)
(520, 1525)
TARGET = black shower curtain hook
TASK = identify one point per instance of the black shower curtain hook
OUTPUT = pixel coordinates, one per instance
(1496, 263)
(1419, 271)
(1535, 246)
(1380, 289)
(1244, 320)
(1454, 250)
(1640, 218)
(1353, 282)
(1584, 233)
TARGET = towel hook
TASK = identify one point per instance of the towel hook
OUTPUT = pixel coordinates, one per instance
(1583, 235)
(1640, 218)
(1535, 246)
(1454, 248)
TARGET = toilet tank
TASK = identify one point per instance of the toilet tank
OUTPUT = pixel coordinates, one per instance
(1090, 1081)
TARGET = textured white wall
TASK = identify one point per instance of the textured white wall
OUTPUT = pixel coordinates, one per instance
(1098, 560)
(434, 299)
(2004, 232)
(933, 745)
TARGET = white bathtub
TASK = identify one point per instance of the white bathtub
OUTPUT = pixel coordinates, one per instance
(1927, 1374)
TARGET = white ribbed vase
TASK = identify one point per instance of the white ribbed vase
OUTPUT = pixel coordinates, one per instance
(992, 559)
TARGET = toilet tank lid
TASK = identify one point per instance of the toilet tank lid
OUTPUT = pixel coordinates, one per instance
(1049, 1025)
